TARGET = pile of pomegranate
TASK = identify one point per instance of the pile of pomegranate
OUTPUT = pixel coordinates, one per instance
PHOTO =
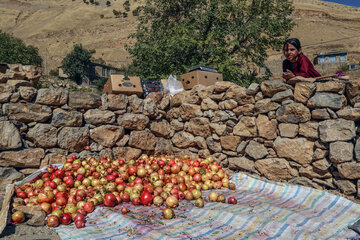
(70, 192)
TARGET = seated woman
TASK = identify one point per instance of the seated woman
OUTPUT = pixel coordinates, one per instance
(296, 63)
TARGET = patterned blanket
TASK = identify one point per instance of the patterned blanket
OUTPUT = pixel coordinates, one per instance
(265, 210)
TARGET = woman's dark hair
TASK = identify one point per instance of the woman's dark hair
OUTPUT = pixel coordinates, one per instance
(293, 41)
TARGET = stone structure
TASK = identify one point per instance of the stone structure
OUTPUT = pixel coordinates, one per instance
(303, 133)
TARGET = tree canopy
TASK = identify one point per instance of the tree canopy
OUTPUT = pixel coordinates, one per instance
(76, 62)
(14, 50)
(229, 35)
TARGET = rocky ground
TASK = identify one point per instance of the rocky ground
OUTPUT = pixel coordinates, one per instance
(19, 232)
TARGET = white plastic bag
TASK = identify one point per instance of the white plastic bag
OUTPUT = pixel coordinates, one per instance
(173, 86)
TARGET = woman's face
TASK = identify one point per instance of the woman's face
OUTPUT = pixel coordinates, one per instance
(291, 53)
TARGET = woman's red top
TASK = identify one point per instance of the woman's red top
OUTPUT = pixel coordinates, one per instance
(302, 67)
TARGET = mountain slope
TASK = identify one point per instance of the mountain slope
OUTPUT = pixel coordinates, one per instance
(54, 26)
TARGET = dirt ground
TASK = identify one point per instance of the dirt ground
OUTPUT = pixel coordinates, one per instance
(25, 232)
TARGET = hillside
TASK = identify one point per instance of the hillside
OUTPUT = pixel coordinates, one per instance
(54, 26)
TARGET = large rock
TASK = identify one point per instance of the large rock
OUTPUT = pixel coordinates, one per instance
(209, 104)
(322, 165)
(312, 172)
(345, 186)
(330, 86)
(84, 100)
(309, 129)
(126, 153)
(241, 163)
(256, 150)
(320, 114)
(200, 142)
(299, 150)
(222, 86)
(349, 113)
(336, 130)
(253, 89)
(327, 100)
(62, 118)
(188, 111)
(96, 117)
(52, 96)
(133, 121)
(27, 112)
(161, 128)
(357, 149)
(353, 91)
(293, 113)
(349, 170)
(53, 158)
(270, 87)
(266, 128)
(73, 138)
(238, 94)
(246, 127)
(227, 104)
(136, 104)
(150, 108)
(107, 135)
(219, 129)
(5, 92)
(27, 93)
(26, 158)
(117, 101)
(247, 108)
(9, 175)
(177, 125)
(43, 135)
(9, 136)
(178, 99)
(142, 139)
(213, 144)
(341, 152)
(280, 96)
(275, 169)
(266, 105)
(183, 139)
(303, 91)
(198, 126)
(230, 142)
(288, 130)
(163, 146)
(305, 182)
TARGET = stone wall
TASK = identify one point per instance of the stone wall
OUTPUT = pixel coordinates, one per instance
(303, 133)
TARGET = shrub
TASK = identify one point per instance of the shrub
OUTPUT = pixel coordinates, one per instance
(14, 50)
(54, 72)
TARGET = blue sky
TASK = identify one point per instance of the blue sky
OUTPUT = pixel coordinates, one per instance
(354, 3)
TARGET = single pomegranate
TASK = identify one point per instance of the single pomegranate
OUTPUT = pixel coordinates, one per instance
(146, 198)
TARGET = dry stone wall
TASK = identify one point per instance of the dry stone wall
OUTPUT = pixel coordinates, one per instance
(303, 133)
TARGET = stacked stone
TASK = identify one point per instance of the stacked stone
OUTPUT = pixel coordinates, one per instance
(304, 133)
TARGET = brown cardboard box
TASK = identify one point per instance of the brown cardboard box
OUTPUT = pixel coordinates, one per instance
(190, 79)
(117, 84)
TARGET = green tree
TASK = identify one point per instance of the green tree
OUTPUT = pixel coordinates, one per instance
(14, 50)
(231, 35)
(76, 63)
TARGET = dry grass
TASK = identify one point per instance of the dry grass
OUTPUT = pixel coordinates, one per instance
(54, 26)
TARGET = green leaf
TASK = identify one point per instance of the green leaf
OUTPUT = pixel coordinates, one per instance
(231, 35)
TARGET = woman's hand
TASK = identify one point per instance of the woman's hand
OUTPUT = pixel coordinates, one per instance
(288, 74)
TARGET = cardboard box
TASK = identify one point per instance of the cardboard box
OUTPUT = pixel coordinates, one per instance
(117, 84)
(190, 79)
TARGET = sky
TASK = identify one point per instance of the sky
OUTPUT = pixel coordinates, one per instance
(354, 3)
